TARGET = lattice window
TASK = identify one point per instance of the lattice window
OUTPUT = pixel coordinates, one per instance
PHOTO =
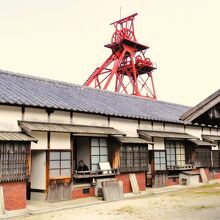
(175, 153)
(14, 161)
(180, 153)
(203, 156)
(60, 164)
(171, 154)
(133, 157)
(99, 152)
(216, 158)
(159, 160)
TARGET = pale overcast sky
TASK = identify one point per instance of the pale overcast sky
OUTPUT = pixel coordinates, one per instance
(64, 40)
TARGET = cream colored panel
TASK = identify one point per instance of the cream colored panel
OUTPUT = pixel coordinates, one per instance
(42, 140)
(157, 126)
(38, 170)
(159, 144)
(145, 125)
(206, 131)
(127, 126)
(89, 119)
(214, 131)
(174, 128)
(195, 131)
(35, 114)
(60, 117)
(9, 116)
(59, 140)
(150, 146)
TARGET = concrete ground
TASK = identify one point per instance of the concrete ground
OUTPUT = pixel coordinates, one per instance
(175, 202)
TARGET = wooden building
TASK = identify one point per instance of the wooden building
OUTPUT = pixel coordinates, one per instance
(49, 126)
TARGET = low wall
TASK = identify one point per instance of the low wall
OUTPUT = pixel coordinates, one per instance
(14, 195)
(141, 179)
(172, 181)
(83, 192)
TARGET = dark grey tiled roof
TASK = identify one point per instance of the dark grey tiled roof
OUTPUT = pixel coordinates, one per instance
(26, 90)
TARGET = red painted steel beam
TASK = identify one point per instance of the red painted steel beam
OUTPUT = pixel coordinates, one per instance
(127, 63)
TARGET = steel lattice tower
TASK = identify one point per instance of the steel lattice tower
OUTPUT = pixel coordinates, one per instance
(127, 70)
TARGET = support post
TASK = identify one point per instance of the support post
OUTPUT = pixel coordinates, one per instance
(2, 203)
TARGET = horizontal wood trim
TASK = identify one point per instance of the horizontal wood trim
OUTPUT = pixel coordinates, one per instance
(132, 169)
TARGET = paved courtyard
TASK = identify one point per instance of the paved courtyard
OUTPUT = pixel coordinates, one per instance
(195, 203)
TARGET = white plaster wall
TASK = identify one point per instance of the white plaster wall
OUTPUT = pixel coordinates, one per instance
(214, 131)
(157, 126)
(159, 144)
(150, 146)
(35, 114)
(42, 140)
(145, 125)
(60, 117)
(206, 131)
(38, 170)
(89, 119)
(127, 126)
(59, 140)
(174, 128)
(83, 150)
(9, 116)
(195, 131)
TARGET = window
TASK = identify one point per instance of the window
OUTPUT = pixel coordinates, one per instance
(203, 156)
(175, 153)
(159, 160)
(13, 161)
(60, 164)
(171, 154)
(216, 158)
(133, 158)
(99, 152)
(180, 153)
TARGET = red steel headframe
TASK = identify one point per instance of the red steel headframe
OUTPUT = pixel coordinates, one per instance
(126, 70)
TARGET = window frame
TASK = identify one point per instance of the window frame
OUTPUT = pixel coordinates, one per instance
(202, 157)
(60, 163)
(177, 161)
(14, 155)
(130, 164)
(215, 158)
(154, 161)
(99, 155)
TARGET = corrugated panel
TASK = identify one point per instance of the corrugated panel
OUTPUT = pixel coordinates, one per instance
(37, 92)
(201, 143)
(211, 138)
(15, 136)
(132, 140)
(68, 128)
(149, 134)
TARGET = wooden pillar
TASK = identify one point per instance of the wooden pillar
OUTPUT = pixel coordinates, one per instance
(2, 203)
(116, 158)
